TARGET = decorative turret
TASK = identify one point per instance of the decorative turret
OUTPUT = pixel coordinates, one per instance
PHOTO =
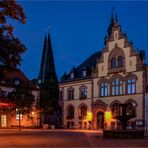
(113, 26)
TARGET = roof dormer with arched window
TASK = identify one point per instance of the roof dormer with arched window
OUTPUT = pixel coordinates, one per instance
(116, 60)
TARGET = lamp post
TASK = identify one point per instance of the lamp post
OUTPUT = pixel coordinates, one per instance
(19, 117)
(32, 116)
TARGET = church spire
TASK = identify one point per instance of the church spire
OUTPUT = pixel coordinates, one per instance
(43, 60)
(47, 68)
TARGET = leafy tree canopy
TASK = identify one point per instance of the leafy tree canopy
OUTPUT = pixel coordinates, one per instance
(22, 98)
(49, 97)
(11, 47)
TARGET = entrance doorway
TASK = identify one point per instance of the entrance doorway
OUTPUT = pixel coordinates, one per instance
(3, 121)
(100, 120)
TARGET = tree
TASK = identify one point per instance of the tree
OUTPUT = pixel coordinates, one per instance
(49, 94)
(23, 100)
(11, 47)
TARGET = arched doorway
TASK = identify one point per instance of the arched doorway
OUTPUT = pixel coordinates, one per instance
(100, 120)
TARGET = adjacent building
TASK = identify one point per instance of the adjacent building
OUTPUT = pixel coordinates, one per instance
(8, 116)
(92, 93)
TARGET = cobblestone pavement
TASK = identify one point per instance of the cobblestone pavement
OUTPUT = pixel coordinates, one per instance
(96, 140)
(63, 138)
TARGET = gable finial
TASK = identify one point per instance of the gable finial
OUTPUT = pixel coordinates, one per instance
(116, 17)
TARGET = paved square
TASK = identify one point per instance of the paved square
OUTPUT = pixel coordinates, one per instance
(62, 138)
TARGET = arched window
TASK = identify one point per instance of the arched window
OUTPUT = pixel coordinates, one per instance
(70, 94)
(131, 86)
(120, 61)
(83, 93)
(116, 87)
(113, 62)
(103, 89)
(116, 110)
(131, 108)
(83, 111)
(70, 112)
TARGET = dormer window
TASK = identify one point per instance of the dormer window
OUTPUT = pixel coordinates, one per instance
(84, 73)
(16, 81)
(39, 81)
(72, 75)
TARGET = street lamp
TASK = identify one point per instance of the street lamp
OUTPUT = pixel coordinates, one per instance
(89, 118)
(32, 116)
(108, 118)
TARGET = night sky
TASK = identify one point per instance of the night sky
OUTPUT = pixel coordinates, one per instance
(77, 30)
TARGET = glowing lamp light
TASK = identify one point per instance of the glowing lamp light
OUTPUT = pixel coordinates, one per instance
(89, 116)
(32, 113)
(108, 116)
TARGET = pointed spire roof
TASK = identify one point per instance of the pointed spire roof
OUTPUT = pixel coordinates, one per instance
(41, 73)
(47, 67)
(113, 26)
(113, 22)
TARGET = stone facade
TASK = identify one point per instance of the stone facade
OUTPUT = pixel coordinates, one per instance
(117, 77)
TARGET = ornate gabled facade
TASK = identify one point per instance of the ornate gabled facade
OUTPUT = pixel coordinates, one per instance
(91, 94)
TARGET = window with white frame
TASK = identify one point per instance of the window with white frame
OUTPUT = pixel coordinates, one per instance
(104, 89)
(83, 92)
(70, 94)
(131, 86)
(116, 87)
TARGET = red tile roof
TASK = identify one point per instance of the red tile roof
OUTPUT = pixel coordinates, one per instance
(12, 74)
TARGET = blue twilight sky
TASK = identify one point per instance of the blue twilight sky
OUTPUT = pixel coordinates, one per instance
(77, 30)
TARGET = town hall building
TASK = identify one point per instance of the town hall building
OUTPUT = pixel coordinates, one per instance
(92, 94)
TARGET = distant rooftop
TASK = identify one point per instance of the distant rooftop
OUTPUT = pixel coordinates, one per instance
(87, 66)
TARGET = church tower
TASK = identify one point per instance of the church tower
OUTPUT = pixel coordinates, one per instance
(47, 68)
(48, 84)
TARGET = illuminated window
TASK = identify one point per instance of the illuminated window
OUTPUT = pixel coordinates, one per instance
(117, 87)
(83, 92)
(104, 89)
(116, 109)
(83, 111)
(17, 116)
(131, 86)
(70, 94)
(131, 108)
